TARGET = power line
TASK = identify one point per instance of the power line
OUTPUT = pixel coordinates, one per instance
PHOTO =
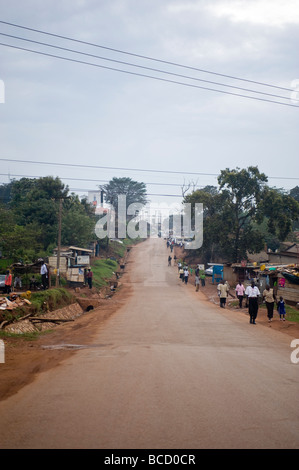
(77, 165)
(96, 180)
(146, 68)
(147, 194)
(190, 85)
(144, 57)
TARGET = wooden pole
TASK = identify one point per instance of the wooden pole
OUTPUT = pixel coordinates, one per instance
(59, 242)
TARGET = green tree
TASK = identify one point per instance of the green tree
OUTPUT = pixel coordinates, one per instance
(134, 191)
(17, 241)
(243, 214)
(281, 211)
(36, 201)
(244, 189)
(295, 193)
(78, 222)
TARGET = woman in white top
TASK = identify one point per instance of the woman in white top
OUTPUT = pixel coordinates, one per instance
(253, 293)
(240, 291)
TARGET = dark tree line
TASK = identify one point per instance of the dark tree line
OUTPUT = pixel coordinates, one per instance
(244, 214)
(29, 218)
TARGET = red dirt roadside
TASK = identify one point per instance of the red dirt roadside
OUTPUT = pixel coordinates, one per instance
(25, 358)
(210, 292)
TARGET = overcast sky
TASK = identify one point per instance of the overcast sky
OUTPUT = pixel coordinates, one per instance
(59, 111)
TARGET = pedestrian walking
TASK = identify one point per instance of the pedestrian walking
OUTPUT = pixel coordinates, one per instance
(240, 291)
(44, 274)
(89, 278)
(222, 289)
(281, 309)
(269, 297)
(197, 280)
(18, 282)
(202, 278)
(181, 273)
(253, 293)
(169, 260)
(7, 282)
(186, 275)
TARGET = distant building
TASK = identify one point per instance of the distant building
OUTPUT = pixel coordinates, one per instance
(288, 254)
(94, 198)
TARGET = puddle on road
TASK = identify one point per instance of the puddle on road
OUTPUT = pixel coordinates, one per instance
(75, 346)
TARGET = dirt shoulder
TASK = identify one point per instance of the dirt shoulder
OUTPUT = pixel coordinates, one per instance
(210, 293)
(24, 359)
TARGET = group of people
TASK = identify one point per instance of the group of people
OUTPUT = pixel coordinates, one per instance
(252, 293)
(8, 281)
(170, 259)
(185, 272)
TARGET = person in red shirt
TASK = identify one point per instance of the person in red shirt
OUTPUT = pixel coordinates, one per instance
(8, 282)
(89, 278)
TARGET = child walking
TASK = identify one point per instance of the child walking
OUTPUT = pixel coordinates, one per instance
(281, 309)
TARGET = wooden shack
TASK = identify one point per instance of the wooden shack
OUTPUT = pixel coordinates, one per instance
(235, 272)
(74, 261)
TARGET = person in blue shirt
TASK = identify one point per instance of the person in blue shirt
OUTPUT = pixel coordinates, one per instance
(281, 309)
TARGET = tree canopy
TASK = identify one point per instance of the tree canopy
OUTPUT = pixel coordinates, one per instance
(29, 218)
(134, 191)
(236, 214)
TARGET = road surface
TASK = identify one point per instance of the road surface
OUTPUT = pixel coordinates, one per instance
(168, 370)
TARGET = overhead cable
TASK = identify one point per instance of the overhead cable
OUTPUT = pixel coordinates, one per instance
(149, 76)
(144, 57)
(82, 165)
(145, 68)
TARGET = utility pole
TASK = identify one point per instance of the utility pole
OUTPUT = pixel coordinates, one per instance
(59, 242)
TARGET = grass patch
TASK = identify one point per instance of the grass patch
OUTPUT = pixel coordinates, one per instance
(5, 264)
(119, 249)
(41, 302)
(29, 336)
(103, 270)
(292, 314)
(50, 299)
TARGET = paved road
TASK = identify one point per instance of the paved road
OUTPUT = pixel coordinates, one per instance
(167, 371)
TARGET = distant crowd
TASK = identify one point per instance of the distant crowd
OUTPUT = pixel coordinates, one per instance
(251, 295)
